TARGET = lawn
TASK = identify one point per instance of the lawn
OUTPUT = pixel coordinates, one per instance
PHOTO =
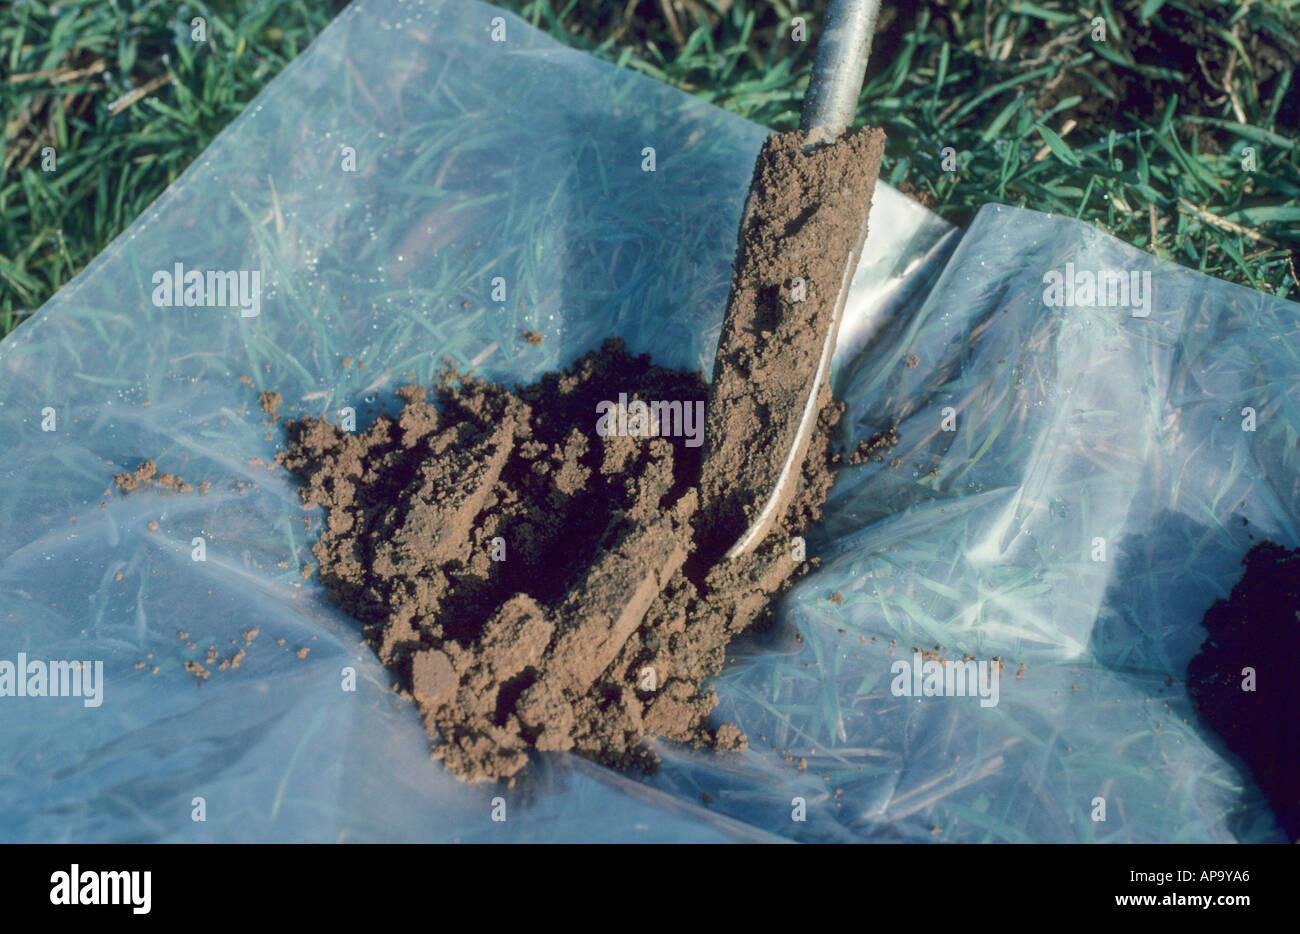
(1171, 125)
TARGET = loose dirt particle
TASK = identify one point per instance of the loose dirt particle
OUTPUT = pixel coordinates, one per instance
(147, 472)
(130, 481)
(533, 337)
(870, 448)
(270, 401)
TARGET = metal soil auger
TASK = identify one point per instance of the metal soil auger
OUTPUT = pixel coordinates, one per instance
(831, 101)
(801, 237)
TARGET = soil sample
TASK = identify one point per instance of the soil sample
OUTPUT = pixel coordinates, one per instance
(536, 581)
(799, 243)
(1255, 710)
(540, 581)
(535, 564)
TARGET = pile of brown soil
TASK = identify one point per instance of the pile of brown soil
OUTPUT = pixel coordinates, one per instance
(538, 581)
(1257, 715)
(533, 583)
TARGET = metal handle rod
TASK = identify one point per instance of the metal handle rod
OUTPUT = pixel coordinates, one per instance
(831, 101)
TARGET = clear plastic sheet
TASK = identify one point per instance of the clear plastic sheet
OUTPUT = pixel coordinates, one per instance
(477, 159)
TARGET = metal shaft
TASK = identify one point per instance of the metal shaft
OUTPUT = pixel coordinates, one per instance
(831, 101)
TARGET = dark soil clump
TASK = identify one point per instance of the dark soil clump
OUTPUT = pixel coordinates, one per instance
(1258, 717)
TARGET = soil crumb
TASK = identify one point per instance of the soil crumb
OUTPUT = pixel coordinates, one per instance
(147, 473)
(270, 401)
(871, 447)
(533, 583)
(533, 337)
(1257, 627)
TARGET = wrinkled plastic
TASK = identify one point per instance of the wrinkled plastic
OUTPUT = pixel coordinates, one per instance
(477, 159)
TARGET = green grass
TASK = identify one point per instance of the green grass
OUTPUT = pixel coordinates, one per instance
(1019, 91)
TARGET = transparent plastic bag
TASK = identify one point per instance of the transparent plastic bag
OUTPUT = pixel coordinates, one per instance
(476, 159)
